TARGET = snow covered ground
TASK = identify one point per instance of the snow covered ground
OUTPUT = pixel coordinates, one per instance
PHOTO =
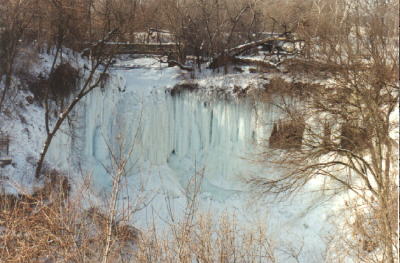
(24, 122)
(25, 125)
(174, 139)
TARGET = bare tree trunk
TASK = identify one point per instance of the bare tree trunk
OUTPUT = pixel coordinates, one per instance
(84, 91)
(13, 30)
(112, 213)
(7, 85)
(9, 71)
(87, 87)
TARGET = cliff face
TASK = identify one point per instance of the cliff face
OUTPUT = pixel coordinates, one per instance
(192, 138)
(178, 135)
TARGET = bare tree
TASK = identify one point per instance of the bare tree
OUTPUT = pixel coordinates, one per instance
(120, 165)
(100, 64)
(348, 137)
(206, 28)
(15, 17)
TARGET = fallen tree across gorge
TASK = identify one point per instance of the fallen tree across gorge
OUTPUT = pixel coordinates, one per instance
(276, 43)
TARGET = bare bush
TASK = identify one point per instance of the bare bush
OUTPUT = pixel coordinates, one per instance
(206, 240)
(52, 225)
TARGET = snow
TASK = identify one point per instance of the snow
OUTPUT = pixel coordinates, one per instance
(229, 81)
(23, 125)
(175, 139)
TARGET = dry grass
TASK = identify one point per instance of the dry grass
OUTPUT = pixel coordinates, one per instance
(206, 240)
(50, 225)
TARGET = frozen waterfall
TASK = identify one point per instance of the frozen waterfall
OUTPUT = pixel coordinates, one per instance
(172, 139)
(176, 135)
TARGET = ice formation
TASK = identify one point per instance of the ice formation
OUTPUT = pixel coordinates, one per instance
(174, 138)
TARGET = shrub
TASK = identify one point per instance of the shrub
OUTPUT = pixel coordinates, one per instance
(63, 81)
(60, 84)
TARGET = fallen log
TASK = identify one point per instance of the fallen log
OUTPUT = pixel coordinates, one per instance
(259, 63)
(5, 161)
(229, 56)
(172, 63)
(241, 48)
(225, 60)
